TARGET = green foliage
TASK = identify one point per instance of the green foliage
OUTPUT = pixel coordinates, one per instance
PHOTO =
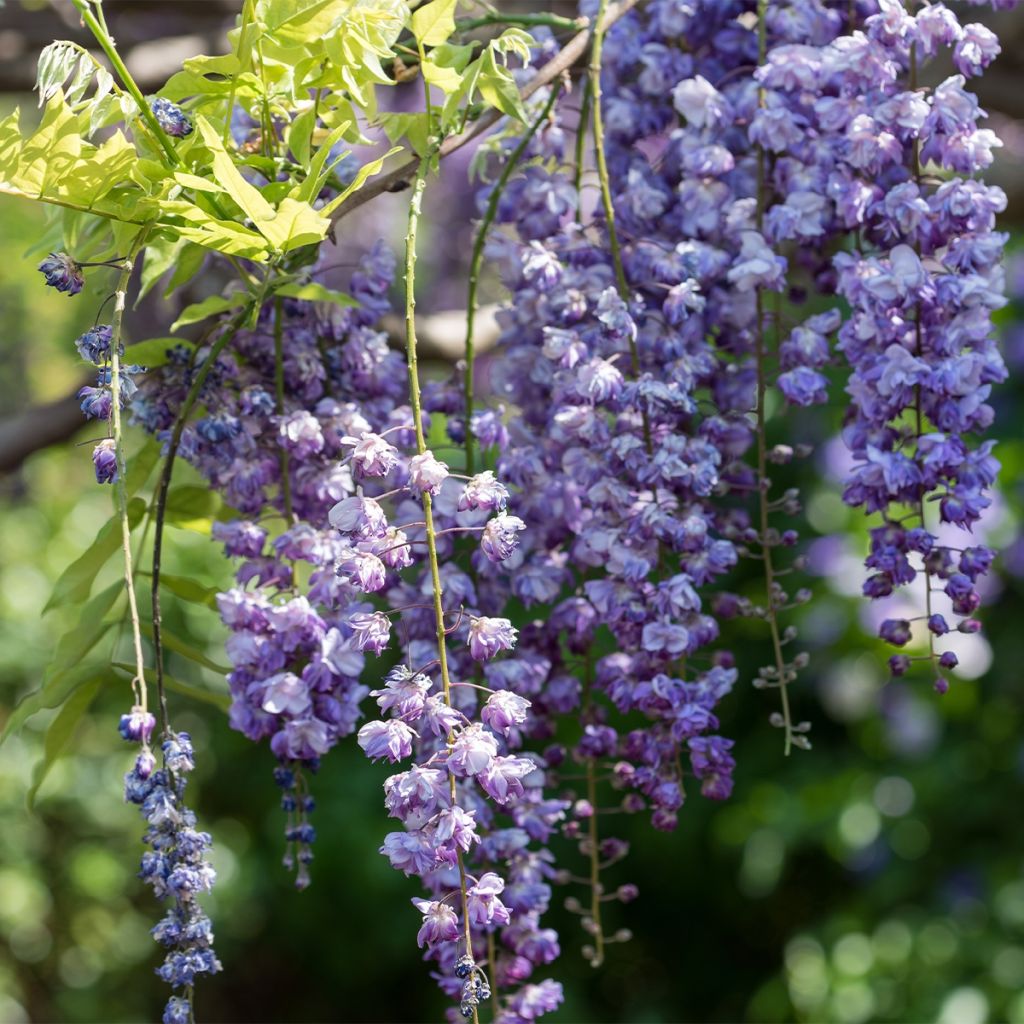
(77, 579)
(60, 731)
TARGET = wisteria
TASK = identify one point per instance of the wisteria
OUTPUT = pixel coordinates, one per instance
(522, 579)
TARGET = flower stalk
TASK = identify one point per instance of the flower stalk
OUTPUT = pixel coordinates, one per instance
(415, 209)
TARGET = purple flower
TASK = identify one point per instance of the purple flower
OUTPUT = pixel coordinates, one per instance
(286, 694)
(362, 569)
(372, 455)
(502, 779)
(488, 636)
(503, 710)
(301, 434)
(803, 386)
(391, 739)
(500, 538)
(472, 751)
(456, 826)
(370, 631)
(96, 403)
(488, 428)
(171, 118)
(94, 345)
(483, 491)
(137, 726)
(362, 517)
(975, 50)
(63, 273)
(412, 853)
(427, 474)
(440, 923)
(104, 460)
(482, 901)
(404, 693)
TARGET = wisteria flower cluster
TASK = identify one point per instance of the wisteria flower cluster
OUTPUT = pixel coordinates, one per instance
(543, 618)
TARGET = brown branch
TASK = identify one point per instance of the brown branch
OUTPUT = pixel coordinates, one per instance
(38, 427)
(442, 337)
(567, 56)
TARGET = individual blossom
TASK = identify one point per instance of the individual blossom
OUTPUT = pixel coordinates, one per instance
(504, 710)
(372, 455)
(104, 460)
(500, 536)
(426, 473)
(440, 923)
(63, 273)
(171, 118)
(94, 345)
(485, 492)
(137, 726)
(488, 636)
(391, 740)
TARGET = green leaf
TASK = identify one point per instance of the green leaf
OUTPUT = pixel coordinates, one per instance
(153, 351)
(76, 643)
(446, 79)
(51, 695)
(56, 165)
(313, 291)
(185, 649)
(498, 88)
(248, 197)
(190, 260)
(200, 693)
(300, 131)
(318, 169)
(140, 465)
(291, 225)
(452, 55)
(364, 172)
(60, 732)
(210, 306)
(294, 225)
(188, 503)
(434, 22)
(76, 580)
(189, 590)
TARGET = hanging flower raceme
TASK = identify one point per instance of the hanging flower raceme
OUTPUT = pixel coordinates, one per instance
(175, 866)
(922, 284)
(296, 658)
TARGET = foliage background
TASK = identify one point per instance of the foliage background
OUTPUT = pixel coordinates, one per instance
(879, 877)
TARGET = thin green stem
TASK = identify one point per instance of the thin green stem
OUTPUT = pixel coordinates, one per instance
(593, 834)
(286, 483)
(476, 260)
(919, 348)
(552, 21)
(597, 123)
(581, 142)
(761, 356)
(239, 50)
(99, 30)
(120, 293)
(164, 485)
(415, 209)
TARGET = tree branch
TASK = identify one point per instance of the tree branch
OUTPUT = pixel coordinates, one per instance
(569, 54)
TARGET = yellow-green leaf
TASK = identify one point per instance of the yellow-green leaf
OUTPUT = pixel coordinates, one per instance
(434, 22)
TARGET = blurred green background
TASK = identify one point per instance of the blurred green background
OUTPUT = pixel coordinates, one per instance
(879, 877)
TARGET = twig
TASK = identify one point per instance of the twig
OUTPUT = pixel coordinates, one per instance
(565, 59)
